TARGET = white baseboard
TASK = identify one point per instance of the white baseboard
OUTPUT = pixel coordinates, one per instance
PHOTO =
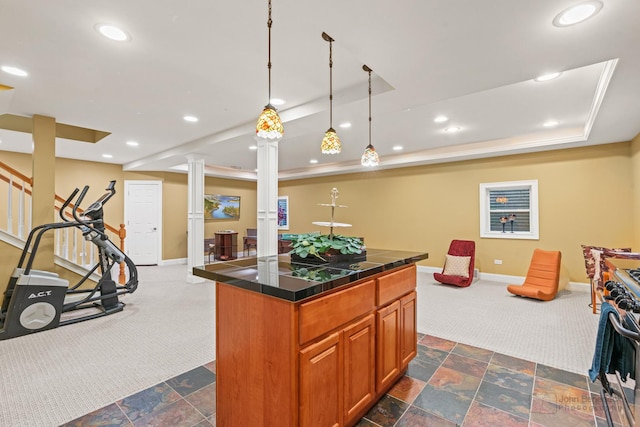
(503, 278)
(174, 261)
(578, 287)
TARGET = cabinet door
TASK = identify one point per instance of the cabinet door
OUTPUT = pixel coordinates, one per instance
(388, 345)
(359, 367)
(408, 334)
(321, 390)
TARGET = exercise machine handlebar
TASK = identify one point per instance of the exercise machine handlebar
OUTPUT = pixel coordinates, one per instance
(66, 203)
(74, 211)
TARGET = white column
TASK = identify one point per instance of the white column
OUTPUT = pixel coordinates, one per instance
(195, 218)
(267, 196)
(268, 271)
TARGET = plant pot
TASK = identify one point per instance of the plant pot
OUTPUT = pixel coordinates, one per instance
(330, 257)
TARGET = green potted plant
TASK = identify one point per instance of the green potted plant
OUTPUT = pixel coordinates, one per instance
(316, 247)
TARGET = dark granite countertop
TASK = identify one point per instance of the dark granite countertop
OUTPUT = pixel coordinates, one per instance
(277, 276)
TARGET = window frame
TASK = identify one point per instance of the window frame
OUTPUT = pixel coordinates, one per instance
(485, 213)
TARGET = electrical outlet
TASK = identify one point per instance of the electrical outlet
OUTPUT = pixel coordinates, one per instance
(497, 261)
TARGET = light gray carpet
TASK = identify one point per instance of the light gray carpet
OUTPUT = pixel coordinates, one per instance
(168, 327)
(51, 377)
(560, 333)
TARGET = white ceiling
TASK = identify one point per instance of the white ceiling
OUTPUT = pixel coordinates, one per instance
(470, 60)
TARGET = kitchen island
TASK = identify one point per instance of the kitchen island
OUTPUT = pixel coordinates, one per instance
(301, 344)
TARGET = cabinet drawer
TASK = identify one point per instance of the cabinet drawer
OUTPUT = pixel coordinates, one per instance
(394, 285)
(322, 315)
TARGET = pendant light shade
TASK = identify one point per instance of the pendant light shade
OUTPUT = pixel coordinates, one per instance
(269, 124)
(331, 142)
(369, 157)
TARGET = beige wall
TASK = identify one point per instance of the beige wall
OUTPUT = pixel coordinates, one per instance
(424, 208)
(635, 189)
(248, 205)
(73, 173)
(174, 208)
(586, 196)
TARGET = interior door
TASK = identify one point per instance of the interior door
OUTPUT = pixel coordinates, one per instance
(143, 217)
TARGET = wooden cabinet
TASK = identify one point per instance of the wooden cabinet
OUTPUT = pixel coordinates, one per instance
(321, 362)
(226, 245)
(359, 368)
(396, 325)
(337, 376)
(323, 315)
(388, 345)
(408, 329)
(321, 391)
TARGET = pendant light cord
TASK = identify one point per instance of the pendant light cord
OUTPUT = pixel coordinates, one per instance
(369, 70)
(269, 22)
(328, 38)
(330, 85)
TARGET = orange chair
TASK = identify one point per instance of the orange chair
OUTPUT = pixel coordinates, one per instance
(542, 278)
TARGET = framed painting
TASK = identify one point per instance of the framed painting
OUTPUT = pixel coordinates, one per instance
(221, 207)
(283, 212)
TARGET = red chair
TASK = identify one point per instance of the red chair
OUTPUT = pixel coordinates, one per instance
(458, 268)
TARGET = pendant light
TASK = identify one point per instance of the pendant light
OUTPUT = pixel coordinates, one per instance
(331, 142)
(269, 125)
(369, 157)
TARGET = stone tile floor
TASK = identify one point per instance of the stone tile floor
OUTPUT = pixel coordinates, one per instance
(447, 384)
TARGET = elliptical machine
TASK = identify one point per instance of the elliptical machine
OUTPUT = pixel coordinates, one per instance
(37, 300)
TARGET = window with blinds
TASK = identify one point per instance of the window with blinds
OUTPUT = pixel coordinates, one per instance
(509, 210)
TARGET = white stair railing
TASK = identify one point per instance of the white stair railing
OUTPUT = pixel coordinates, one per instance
(16, 190)
(69, 243)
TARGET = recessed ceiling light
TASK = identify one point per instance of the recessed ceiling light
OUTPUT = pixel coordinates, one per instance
(452, 129)
(441, 119)
(551, 123)
(253, 147)
(345, 125)
(547, 77)
(277, 101)
(107, 156)
(113, 33)
(313, 161)
(577, 13)
(132, 143)
(14, 70)
(191, 119)
(397, 148)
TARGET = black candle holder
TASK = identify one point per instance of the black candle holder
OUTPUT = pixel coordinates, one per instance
(503, 221)
(512, 219)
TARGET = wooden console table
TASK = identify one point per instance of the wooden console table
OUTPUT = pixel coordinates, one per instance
(226, 245)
